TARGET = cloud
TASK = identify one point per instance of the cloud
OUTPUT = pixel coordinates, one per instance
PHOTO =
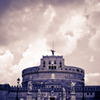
(4, 5)
(32, 54)
(95, 41)
(92, 59)
(21, 25)
(6, 61)
(94, 19)
(76, 26)
(92, 78)
(24, 25)
(93, 22)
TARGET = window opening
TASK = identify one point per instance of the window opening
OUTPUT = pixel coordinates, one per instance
(49, 61)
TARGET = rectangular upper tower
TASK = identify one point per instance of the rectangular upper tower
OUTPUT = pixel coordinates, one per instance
(52, 63)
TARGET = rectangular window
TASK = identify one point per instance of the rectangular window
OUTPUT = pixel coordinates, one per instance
(49, 67)
(87, 93)
(91, 93)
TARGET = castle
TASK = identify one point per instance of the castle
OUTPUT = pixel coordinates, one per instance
(52, 80)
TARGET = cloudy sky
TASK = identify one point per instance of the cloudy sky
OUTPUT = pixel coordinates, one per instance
(28, 28)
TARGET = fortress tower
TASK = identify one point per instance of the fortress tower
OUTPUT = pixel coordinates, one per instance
(53, 74)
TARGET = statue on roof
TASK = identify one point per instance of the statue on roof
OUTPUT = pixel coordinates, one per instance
(52, 52)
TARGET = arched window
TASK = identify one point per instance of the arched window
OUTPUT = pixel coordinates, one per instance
(87, 93)
(77, 70)
(49, 67)
(43, 63)
(90, 93)
(52, 87)
(49, 61)
(54, 67)
(60, 64)
(54, 61)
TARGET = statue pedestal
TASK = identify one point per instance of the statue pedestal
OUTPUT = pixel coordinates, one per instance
(29, 96)
(73, 96)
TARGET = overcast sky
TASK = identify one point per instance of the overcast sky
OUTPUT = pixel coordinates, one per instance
(28, 28)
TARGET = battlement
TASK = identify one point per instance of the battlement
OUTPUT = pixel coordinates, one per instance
(52, 56)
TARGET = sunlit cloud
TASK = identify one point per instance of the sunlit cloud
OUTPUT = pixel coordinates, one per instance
(6, 61)
(91, 78)
(50, 13)
(95, 41)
